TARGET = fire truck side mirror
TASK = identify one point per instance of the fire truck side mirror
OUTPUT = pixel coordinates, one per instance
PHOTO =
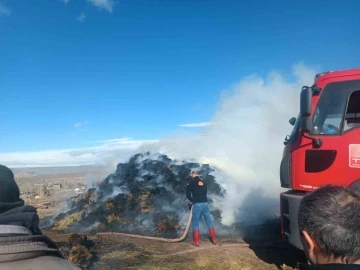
(292, 121)
(305, 108)
(305, 101)
(306, 124)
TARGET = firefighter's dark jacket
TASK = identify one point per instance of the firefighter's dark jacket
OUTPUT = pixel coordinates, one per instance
(196, 190)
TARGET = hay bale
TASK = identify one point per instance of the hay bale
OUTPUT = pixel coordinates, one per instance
(66, 222)
(78, 250)
(110, 204)
(112, 218)
(140, 189)
(80, 256)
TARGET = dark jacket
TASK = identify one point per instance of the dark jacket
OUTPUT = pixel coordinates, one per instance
(23, 247)
(332, 266)
(196, 190)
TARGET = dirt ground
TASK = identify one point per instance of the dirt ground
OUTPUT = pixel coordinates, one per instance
(118, 252)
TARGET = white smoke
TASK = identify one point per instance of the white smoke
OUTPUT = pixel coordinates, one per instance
(117, 190)
(245, 140)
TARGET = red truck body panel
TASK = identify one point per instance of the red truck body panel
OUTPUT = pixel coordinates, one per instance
(346, 166)
(306, 166)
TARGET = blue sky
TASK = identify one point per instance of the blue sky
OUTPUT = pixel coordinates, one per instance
(76, 72)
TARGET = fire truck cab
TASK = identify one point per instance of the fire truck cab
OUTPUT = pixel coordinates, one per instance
(324, 146)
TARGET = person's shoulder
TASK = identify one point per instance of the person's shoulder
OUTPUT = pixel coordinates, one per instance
(196, 181)
(200, 182)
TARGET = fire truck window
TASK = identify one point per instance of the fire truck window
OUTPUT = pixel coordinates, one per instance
(339, 101)
(329, 112)
(352, 116)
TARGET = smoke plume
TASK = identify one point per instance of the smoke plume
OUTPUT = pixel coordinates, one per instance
(243, 143)
(245, 140)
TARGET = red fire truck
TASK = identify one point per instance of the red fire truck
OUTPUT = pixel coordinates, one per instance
(324, 146)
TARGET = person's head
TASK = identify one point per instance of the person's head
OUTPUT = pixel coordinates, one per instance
(354, 187)
(329, 223)
(9, 191)
(194, 174)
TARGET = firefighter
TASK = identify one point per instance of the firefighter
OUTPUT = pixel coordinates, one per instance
(196, 191)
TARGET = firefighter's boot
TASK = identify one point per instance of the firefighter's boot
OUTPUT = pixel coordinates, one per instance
(212, 235)
(196, 237)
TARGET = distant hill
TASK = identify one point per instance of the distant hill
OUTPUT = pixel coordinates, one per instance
(36, 171)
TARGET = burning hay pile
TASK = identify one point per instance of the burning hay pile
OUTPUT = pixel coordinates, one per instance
(145, 195)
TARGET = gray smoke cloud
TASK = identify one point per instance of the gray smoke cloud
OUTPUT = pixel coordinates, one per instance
(245, 141)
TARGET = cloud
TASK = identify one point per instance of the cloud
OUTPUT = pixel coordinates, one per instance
(194, 125)
(108, 5)
(105, 151)
(65, 1)
(116, 141)
(4, 11)
(83, 123)
(81, 17)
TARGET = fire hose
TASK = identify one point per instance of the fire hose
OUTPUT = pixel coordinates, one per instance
(176, 240)
(181, 238)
